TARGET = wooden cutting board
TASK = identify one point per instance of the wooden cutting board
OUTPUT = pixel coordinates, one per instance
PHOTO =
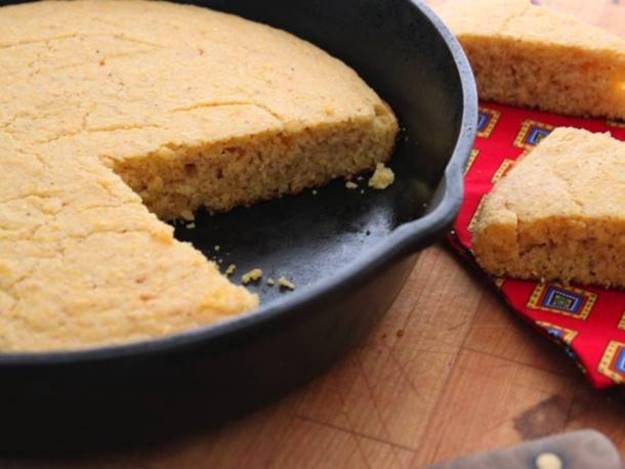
(447, 373)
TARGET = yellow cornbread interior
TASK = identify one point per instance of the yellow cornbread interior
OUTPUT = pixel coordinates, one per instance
(559, 214)
(112, 112)
(529, 55)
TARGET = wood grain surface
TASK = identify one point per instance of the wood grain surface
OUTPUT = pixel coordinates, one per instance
(449, 371)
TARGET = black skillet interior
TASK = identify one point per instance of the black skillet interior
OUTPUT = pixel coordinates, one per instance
(310, 237)
(348, 251)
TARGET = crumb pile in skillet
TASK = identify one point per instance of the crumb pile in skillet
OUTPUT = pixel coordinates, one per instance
(114, 113)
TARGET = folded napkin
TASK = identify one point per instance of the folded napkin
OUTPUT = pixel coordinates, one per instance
(589, 322)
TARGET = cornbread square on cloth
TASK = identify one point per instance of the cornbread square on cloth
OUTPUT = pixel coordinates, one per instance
(114, 113)
(559, 213)
(528, 55)
(586, 321)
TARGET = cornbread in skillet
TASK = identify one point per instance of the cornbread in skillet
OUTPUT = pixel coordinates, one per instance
(114, 113)
(559, 214)
(528, 55)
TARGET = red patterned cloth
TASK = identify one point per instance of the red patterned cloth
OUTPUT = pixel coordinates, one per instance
(588, 322)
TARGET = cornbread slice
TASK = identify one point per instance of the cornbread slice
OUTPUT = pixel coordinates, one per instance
(559, 214)
(528, 55)
(83, 262)
(110, 110)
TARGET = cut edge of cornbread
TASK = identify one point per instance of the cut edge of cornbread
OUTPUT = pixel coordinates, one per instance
(559, 214)
(528, 55)
(218, 176)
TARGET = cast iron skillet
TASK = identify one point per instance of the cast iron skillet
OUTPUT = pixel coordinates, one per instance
(348, 252)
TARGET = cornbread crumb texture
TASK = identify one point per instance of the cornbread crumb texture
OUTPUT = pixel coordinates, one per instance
(529, 55)
(251, 276)
(351, 185)
(559, 214)
(382, 177)
(231, 269)
(102, 114)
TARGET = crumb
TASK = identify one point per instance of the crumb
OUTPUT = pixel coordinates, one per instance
(217, 247)
(362, 191)
(252, 276)
(190, 226)
(314, 192)
(351, 185)
(382, 177)
(271, 282)
(400, 333)
(231, 269)
(220, 261)
(359, 178)
(187, 215)
(284, 283)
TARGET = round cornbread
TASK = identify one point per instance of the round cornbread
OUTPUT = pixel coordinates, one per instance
(114, 113)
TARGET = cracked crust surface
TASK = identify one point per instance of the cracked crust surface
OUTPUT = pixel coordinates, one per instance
(83, 262)
(529, 55)
(115, 112)
(559, 213)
